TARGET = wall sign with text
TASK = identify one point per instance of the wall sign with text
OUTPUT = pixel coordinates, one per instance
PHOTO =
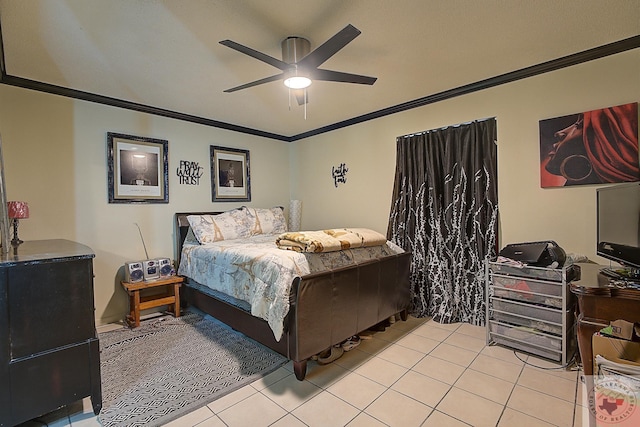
(189, 173)
(339, 174)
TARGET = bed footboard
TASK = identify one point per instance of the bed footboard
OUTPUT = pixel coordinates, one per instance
(326, 308)
(330, 307)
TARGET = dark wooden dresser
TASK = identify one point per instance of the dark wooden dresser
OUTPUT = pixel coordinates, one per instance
(49, 350)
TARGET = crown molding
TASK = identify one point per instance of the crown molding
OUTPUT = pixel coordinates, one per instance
(534, 70)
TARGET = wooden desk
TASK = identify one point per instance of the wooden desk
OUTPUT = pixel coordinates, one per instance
(599, 304)
(139, 302)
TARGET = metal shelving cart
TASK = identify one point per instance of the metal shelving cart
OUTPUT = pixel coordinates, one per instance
(531, 309)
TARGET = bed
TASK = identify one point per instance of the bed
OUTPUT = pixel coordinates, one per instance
(324, 308)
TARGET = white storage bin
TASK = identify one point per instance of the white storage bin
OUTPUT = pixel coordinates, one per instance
(551, 328)
(527, 340)
(528, 310)
(565, 274)
(530, 291)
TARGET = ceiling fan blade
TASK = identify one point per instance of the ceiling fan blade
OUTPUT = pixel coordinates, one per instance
(337, 76)
(330, 47)
(255, 54)
(256, 83)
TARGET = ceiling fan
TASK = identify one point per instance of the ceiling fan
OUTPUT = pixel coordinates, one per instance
(299, 67)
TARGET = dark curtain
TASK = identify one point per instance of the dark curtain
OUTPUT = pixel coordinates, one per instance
(445, 211)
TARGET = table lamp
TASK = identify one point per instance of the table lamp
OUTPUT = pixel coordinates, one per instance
(17, 211)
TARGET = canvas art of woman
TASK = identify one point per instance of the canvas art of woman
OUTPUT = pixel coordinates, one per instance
(594, 147)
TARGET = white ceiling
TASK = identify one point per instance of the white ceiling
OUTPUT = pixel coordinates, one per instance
(165, 53)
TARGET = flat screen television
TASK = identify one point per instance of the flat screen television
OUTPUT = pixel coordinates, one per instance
(619, 225)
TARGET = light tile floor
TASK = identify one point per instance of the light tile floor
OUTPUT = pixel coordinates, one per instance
(416, 373)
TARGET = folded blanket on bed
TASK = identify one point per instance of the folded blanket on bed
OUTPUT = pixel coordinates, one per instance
(335, 239)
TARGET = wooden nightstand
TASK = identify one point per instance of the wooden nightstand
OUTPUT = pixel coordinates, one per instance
(139, 302)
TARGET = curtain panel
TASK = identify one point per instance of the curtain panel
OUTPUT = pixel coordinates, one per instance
(445, 211)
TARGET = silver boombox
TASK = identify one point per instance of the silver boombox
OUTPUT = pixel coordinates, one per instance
(150, 269)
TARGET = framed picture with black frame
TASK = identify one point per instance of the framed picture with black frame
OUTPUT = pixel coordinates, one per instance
(138, 169)
(230, 175)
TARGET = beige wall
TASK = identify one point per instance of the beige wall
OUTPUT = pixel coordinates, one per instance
(55, 159)
(527, 212)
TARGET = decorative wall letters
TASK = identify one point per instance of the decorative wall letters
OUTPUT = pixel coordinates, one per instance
(339, 174)
(189, 173)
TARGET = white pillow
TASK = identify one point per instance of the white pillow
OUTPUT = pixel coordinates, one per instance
(268, 221)
(234, 224)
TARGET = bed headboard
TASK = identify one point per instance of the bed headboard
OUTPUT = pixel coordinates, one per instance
(182, 227)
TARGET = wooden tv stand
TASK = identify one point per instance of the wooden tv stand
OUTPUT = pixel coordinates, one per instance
(598, 305)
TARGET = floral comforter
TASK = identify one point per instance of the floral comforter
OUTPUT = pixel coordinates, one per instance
(254, 270)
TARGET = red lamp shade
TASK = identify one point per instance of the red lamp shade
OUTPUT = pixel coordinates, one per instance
(18, 210)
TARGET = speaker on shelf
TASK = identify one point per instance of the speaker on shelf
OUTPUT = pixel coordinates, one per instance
(133, 272)
(151, 269)
(538, 254)
(166, 269)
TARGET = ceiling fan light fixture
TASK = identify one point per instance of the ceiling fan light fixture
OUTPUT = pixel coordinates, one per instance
(297, 82)
(298, 65)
